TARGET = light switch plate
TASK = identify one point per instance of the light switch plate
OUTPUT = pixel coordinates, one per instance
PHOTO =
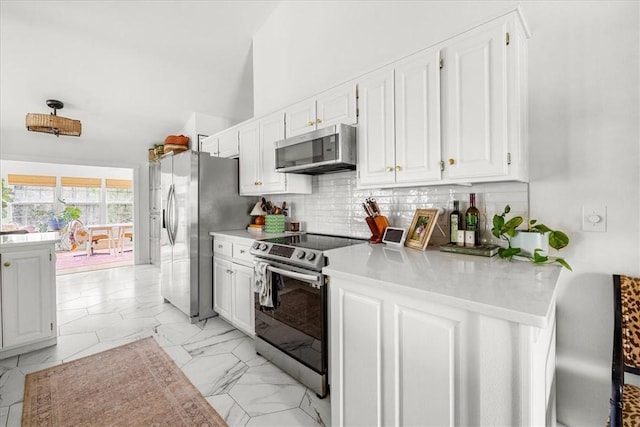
(594, 218)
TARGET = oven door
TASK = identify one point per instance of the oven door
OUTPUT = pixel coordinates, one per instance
(296, 324)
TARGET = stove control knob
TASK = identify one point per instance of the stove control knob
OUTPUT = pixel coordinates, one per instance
(256, 245)
(300, 254)
(311, 256)
(263, 246)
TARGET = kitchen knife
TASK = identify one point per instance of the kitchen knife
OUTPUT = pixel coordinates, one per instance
(372, 206)
(376, 208)
(367, 210)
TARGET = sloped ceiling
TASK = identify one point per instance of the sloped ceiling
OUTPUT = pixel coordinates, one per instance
(131, 71)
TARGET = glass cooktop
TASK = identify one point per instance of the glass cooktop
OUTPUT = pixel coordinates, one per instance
(318, 242)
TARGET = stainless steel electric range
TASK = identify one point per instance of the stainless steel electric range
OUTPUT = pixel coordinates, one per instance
(291, 327)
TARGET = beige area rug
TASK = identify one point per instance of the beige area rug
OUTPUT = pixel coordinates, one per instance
(136, 384)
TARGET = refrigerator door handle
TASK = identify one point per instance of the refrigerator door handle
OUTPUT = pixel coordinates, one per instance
(174, 215)
(170, 215)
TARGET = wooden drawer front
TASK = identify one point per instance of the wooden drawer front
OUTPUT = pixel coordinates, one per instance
(221, 247)
(241, 252)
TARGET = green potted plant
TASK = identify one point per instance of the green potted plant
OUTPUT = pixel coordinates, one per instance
(507, 230)
(57, 218)
(7, 197)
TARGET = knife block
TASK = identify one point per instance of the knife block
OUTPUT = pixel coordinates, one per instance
(377, 225)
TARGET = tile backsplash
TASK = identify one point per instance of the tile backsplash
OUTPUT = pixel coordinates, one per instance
(335, 206)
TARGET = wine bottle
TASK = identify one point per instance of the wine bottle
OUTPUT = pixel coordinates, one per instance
(472, 221)
(455, 222)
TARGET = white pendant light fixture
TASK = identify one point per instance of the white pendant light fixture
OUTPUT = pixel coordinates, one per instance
(52, 123)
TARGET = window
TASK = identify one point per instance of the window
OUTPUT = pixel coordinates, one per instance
(37, 197)
(33, 195)
(83, 193)
(119, 201)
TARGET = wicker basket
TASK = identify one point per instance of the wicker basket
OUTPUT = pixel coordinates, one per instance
(56, 125)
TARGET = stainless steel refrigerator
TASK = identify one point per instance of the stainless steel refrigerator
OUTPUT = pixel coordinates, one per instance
(199, 195)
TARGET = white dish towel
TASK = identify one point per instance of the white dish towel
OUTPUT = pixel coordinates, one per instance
(262, 283)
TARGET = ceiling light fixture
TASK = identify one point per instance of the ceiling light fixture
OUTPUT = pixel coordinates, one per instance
(52, 123)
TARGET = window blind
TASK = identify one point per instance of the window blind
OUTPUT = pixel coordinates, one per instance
(34, 180)
(81, 182)
(118, 183)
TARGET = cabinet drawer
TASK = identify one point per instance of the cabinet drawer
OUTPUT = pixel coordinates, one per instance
(241, 252)
(220, 247)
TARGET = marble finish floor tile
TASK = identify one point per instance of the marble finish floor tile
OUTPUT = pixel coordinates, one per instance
(102, 309)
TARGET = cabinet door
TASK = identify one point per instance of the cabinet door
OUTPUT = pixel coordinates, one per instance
(417, 119)
(249, 144)
(301, 118)
(271, 130)
(222, 271)
(228, 144)
(210, 145)
(28, 313)
(336, 106)
(357, 376)
(376, 150)
(474, 101)
(242, 314)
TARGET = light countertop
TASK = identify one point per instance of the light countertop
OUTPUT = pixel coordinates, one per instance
(244, 234)
(517, 291)
(29, 239)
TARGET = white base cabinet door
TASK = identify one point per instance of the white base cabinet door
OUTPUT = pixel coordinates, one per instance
(233, 296)
(242, 312)
(222, 287)
(28, 297)
(402, 360)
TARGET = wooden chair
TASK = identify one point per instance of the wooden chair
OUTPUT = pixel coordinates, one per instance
(97, 234)
(625, 398)
(124, 233)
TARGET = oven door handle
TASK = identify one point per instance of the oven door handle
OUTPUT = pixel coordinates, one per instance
(300, 276)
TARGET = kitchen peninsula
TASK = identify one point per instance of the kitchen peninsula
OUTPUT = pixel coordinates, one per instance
(28, 285)
(440, 339)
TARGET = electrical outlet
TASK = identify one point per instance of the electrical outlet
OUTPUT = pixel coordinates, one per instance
(594, 218)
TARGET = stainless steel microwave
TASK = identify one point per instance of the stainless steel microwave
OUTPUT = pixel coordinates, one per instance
(331, 149)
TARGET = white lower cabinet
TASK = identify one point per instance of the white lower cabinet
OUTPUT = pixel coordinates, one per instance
(28, 304)
(233, 294)
(242, 314)
(405, 361)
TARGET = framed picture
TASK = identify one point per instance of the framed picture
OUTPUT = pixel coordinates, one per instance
(424, 220)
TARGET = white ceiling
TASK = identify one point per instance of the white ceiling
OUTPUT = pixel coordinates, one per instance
(132, 70)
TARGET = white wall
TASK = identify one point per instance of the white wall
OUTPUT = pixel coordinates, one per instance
(583, 90)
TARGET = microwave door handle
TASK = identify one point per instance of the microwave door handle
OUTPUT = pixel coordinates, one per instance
(295, 275)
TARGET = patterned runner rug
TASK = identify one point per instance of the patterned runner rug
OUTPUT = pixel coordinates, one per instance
(136, 384)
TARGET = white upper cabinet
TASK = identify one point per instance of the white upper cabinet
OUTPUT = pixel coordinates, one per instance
(399, 123)
(458, 112)
(222, 144)
(258, 176)
(376, 151)
(417, 118)
(228, 145)
(475, 104)
(271, 130)
(332, 107)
